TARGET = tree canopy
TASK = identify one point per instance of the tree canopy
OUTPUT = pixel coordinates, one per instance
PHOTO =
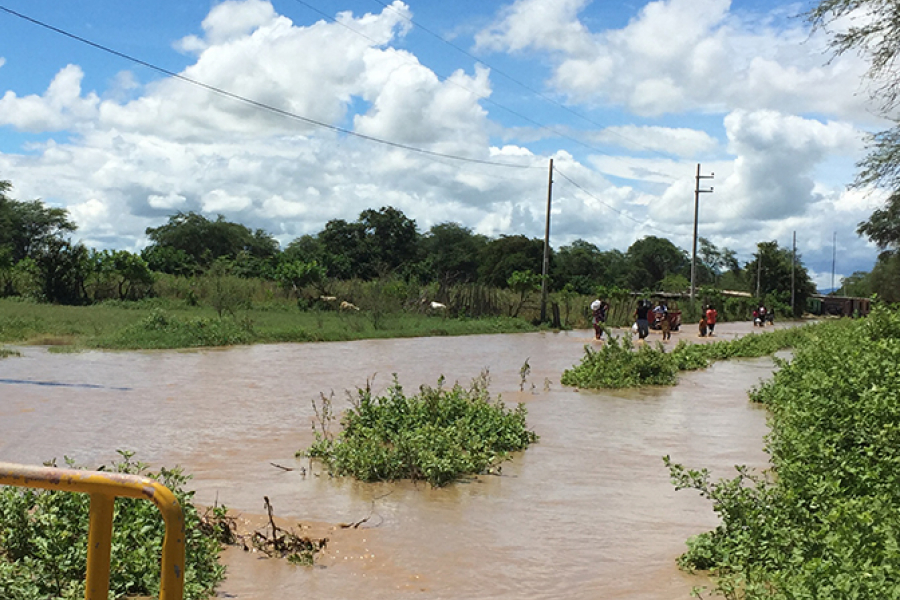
(28, 227)
(200, 241)
(507, 254)
(770, 273)
(450, 253)
(652, 259)
(883, 227)
(871, 28)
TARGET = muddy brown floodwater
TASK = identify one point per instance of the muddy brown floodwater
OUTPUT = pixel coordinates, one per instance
(588, 512)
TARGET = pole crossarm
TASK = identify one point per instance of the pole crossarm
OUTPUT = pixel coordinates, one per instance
(103, 489)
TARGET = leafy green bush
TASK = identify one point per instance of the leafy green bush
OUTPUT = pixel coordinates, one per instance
(438, 435)
(43, 543)
(161, 330)
(618, 365)
(16, 329)
(690, 357)
(823, 522)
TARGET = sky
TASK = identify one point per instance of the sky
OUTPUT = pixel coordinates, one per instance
(285, 114)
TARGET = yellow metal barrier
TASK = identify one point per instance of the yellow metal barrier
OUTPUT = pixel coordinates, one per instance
(103, 489)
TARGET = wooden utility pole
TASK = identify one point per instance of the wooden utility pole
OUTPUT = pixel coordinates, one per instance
(697, 192)
(546, 267)
(758, 268)
(793, 262)
(833, 260)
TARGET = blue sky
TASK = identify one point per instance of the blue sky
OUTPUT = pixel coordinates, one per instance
(627, 98)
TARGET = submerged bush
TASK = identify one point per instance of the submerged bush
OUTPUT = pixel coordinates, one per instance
(438, 435)
(43, 542)
(6, 352)
(823, 522)
(617, 364)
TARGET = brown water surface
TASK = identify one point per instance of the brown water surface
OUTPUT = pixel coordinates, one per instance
(588, 512)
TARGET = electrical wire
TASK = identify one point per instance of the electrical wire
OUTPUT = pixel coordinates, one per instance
(257, 104)
(524, 86)
(482, 97)
(611, 207)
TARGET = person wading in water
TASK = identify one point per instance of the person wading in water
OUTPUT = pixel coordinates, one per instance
(599, 311)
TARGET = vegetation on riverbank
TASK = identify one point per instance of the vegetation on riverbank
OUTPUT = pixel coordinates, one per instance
(438, 435)
(43, 544)
(617, 364)
(822, 522)
(160, 324)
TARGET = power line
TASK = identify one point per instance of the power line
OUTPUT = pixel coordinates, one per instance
(487, 99)
(611, 207)
(255, 103)
(524, 86)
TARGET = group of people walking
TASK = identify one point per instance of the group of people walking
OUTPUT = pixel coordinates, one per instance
(643, 314)
(708, 321)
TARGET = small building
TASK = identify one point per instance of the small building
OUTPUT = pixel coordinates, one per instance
(840, 306)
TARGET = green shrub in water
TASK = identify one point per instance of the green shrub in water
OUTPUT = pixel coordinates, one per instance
(691, 357)
(438, 435)
(6, 353)
(616, 364)
(43, 542)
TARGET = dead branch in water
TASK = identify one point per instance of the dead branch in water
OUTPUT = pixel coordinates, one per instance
(356, 524)
(217, 523)
(275, 542)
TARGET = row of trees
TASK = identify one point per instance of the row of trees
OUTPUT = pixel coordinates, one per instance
(37, 258)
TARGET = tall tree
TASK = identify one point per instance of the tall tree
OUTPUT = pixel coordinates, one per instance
(507, 254)
(652, 259)
(344, 253)
(63, 268)
(119, 274)
(714, 262)
(391, 239)
(27, 227)
(450, 253)
(771, 267)
(305, 248)
(871, 29)
(883, 227)
(584, 267)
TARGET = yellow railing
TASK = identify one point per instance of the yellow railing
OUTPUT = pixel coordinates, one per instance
(103, 489)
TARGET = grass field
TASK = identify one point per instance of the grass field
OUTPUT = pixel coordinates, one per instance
(161, 324)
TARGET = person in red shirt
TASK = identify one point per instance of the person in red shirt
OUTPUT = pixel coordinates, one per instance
(711, 316)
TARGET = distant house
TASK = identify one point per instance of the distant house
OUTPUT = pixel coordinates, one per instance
(841, 306)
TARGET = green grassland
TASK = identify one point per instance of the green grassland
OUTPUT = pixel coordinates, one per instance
(167, 324)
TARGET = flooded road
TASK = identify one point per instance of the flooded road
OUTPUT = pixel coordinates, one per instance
(587, 512)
